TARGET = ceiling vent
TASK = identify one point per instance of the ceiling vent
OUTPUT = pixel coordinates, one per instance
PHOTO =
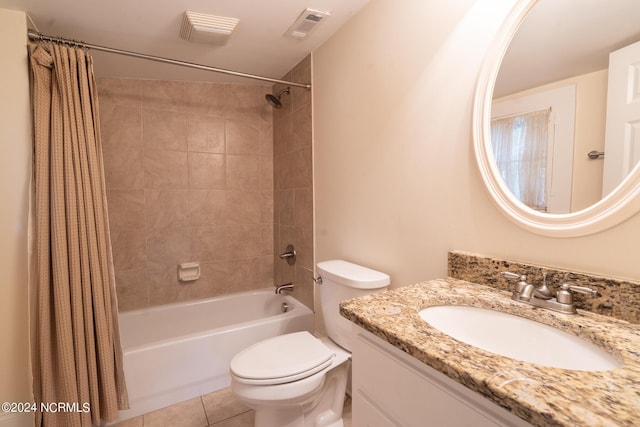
(210, 29)
(308, 20)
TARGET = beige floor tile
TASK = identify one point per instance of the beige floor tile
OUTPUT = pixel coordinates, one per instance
(346, 412)
(244, 420)
(221, 405)
(131, 422)
(184, 414)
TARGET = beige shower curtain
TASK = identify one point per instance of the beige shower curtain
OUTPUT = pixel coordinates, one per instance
(76, 353)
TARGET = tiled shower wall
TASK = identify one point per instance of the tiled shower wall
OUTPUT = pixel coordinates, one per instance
(189, 177)
(293, 185)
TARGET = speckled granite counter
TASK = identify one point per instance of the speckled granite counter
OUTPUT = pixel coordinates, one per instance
(542, 396)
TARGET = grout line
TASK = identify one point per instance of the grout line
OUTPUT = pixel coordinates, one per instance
(205, 412)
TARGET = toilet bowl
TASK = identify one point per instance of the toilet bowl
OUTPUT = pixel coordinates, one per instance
(297, 379)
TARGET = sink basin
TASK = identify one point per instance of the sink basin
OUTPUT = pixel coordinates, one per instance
(518, 338)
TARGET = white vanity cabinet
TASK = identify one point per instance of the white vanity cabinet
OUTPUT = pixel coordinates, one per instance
(391, 388)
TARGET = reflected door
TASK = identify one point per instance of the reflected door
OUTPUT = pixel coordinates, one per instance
(622, 138)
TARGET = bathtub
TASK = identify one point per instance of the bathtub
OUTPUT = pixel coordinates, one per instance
(176, 352)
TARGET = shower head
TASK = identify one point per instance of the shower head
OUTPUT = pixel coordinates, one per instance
(274, 100)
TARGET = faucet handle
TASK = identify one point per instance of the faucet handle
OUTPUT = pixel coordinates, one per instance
(510, 275)
(523, 290)
(564, 296)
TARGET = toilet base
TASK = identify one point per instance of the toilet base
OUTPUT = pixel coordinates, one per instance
(323, 410)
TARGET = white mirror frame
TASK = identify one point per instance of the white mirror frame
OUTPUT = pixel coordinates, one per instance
(618, 206)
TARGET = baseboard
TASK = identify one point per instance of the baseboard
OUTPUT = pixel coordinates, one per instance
(16, 420)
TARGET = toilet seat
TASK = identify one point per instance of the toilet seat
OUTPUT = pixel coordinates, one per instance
(281, 359)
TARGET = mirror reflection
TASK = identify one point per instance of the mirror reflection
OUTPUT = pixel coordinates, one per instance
(568, 87)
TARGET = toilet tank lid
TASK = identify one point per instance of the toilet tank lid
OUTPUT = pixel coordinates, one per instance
(352, 275)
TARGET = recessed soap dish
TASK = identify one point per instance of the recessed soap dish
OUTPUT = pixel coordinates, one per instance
(188, 271)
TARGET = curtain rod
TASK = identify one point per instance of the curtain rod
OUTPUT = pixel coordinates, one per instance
(33, 35)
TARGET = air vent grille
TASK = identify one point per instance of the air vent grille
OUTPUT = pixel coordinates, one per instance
(202, 28)
(308, 20)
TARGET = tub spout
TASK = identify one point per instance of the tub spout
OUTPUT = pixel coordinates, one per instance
(286, 287)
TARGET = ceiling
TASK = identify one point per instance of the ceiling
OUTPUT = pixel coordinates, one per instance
(563, 38)
(152, 27)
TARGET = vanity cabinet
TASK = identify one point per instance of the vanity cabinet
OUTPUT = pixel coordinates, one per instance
(391, 388)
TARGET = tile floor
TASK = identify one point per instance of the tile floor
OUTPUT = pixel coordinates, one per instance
(218, 409)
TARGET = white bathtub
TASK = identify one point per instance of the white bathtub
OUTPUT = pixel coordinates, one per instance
(176, 352)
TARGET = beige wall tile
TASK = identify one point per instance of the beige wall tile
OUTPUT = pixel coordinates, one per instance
(123, 168)
(132, 288)
(286, 207)
(244, 274)
(301, 97)
(221, 405)
(129, 249)
(126, 209)
(266, 134)
(244, 207)
(166, 208)
(283, 171)
(266, 239)
(164, 130)
(207, 207)
(165, 169)
(243, 241)
(266, 173)
(120, 125)
(277, 273)
(302, 174)
(303, 208)
(209, 244)
(242, 138)
(214, 280)
(243, 172)
(266, 271)
(266, 207)
(120, 91)
(303, 291)
(205, 98)
(169, 245)
(243, 102)
(163, 95)
(186, 414)
(180, 195)
(205, 134)
(206, 171)
(282, 131)
(303, 213)
(301, 129)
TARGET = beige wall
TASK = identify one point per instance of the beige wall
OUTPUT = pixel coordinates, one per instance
(15, 167)
(189, 175)
(293, 193)
(396, 182)
(591, 108)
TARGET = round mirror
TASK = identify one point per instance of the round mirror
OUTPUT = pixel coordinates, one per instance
(557, 115)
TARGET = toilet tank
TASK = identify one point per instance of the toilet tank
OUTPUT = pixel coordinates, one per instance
(343, 280)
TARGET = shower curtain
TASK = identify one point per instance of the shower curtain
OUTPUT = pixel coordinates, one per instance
(78, 378)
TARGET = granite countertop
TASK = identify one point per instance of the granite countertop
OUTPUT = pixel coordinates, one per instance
(543, 396)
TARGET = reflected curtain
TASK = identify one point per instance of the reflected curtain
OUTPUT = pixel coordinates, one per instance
(520, 146)
(75, 342)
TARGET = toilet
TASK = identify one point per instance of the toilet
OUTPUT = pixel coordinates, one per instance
(296, 379)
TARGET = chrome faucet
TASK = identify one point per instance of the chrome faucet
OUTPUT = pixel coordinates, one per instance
(542, 296)
(286, 287)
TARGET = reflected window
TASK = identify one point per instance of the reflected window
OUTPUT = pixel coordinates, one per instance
(521, 146)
